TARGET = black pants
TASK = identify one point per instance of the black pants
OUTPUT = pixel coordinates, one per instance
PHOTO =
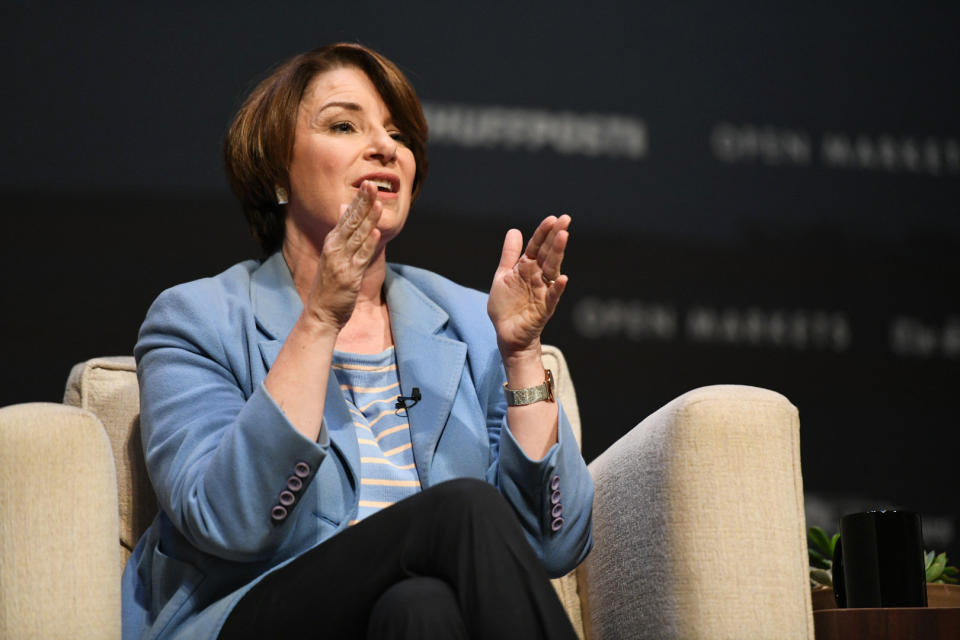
(448, 562)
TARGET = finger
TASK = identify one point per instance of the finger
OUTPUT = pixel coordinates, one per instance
(512, 247)
(548, 245)
(368, 249)
(357, 218)
(536, 240)
(359, 208)
(359, 235)
(530, 271)
(553, 259)
(554, 292)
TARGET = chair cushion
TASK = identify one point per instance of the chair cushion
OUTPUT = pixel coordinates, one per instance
(108, 388)
(553, 359)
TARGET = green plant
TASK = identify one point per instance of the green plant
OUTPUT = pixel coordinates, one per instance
(820, 548)
(937, 569)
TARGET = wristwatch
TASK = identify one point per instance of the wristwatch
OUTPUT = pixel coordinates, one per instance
(520, 397)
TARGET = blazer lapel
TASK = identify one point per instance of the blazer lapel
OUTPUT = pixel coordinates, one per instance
(425, 359)
(275, 301)
(277, 306)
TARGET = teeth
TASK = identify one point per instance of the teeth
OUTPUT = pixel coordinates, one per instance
(383, 185)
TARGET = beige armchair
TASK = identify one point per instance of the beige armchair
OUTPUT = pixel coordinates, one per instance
(698, 517)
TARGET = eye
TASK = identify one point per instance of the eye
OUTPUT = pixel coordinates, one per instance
(401, 138)
(342, 127)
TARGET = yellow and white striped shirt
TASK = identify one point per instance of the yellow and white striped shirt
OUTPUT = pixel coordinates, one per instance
(371, 387)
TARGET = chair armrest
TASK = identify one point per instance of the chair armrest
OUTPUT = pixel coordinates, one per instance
(699, 529)
(59, 531)
(563, 387)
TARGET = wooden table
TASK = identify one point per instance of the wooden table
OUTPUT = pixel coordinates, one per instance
(907, 623)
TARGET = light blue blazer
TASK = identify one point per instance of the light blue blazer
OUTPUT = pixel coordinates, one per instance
(220, 451)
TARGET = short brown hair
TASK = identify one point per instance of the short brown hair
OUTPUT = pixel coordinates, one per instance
(259, 144)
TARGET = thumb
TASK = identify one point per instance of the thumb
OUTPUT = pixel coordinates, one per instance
(512, 247)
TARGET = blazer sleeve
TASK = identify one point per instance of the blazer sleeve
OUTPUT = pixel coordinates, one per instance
(553, 497)
(218, 449)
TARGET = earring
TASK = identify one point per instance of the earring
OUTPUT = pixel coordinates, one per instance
(282, 196)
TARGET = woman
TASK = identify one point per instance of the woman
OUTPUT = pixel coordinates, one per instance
(342, 446)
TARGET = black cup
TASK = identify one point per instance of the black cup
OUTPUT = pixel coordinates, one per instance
(878, 561)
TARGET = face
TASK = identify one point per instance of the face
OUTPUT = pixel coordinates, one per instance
(344, 135)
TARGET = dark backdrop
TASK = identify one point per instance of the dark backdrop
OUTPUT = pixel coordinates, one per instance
(761, 195)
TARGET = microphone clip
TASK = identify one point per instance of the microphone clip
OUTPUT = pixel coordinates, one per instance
(406, 402)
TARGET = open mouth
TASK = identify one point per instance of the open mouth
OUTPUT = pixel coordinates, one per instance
(384, 184)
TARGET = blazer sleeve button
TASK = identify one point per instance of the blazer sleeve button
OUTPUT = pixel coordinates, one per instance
(287, 498)
(294, 484)
(555, 497)
(278, 514)
(302, 470)
(555, 482)
(557, 524)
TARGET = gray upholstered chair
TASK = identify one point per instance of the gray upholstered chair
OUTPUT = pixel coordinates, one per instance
(698, 517)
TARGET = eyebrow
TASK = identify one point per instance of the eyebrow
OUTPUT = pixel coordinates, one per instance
(350, 106)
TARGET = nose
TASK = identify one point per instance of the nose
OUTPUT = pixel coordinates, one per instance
(382, 147)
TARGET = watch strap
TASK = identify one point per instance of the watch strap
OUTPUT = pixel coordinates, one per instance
(529, 395)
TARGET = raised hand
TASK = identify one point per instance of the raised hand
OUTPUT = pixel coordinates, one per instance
(527, 287)
(347, 251)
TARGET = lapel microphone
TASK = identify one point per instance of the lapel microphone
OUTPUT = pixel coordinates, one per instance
(405, 402)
